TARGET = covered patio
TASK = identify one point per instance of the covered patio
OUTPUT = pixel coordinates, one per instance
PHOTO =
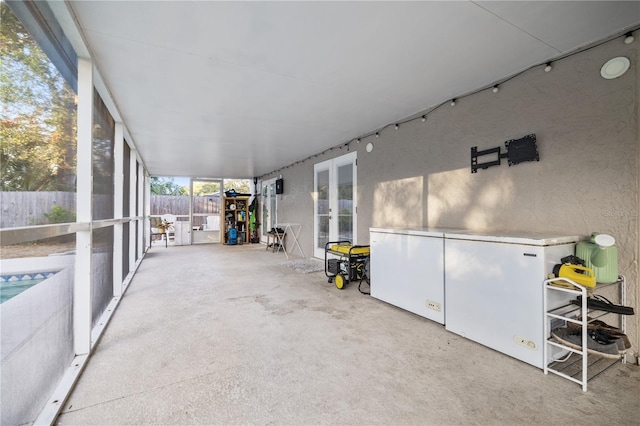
(211, 334)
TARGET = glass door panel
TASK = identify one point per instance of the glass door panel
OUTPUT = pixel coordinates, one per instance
(334, 209)
(345, 202)
(323, 210)
(269, 207)
(265, 212)
(205, 211)
(273, 212)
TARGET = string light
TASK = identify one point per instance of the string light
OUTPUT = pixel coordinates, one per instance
(628, 38)
(548, 66)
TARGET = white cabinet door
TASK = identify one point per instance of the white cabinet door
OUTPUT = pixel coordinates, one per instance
(182, 233)
(407, 271)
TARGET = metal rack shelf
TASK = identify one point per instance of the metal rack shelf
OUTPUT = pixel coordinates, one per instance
(578, 366)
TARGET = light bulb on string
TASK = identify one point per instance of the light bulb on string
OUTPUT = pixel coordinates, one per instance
(628, 38)
(548, 67)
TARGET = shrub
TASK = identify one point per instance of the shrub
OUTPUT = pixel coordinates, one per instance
(60, 215)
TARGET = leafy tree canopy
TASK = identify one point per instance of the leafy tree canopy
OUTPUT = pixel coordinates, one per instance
(242, 186)
(204, 188)
(167, 186)
(38, 117)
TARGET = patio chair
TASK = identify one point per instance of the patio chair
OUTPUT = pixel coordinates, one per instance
(171, 232)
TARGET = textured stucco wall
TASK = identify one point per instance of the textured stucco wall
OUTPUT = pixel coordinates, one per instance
(587, 179)
(635, 331)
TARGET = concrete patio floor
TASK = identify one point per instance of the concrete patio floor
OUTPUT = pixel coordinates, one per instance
(212, 334)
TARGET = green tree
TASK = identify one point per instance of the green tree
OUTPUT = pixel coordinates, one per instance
(242, 186)
(166, 186)
(38, 118)
(204, 188)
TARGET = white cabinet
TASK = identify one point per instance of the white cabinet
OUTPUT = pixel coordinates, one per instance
(407, 270)
(494, 289)
(182, 233)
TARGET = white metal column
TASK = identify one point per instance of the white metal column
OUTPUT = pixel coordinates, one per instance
(118, 204)
(144, 210)
(133, 203)
(84, 213)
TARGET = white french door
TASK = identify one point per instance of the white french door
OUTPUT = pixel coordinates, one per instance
(269, 208)
(335, 205)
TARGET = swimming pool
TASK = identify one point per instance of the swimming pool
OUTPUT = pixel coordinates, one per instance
(14, 284)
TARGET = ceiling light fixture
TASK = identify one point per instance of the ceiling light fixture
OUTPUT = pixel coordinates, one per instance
(614, 68)
(548, 67)
(453, 102)
(396, 126)
(628, 38)
(424, 118)
(495, 89)
(377, 135)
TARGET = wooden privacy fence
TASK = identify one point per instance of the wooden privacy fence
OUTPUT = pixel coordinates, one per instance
(29, 208)
(173, 204)
(203, 206)
(179, 204)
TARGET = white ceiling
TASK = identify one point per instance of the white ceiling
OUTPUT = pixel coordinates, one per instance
(239, 89)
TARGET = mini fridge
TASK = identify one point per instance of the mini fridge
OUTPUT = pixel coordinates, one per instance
(494, 289)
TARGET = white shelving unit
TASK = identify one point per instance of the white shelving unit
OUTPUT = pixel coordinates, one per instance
(578, 363)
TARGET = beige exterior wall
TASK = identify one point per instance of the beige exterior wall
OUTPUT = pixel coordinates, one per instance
(587, 179)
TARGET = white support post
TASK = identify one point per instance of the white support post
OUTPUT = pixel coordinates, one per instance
(118, 204)
(133, 203)
(190, 211)
(143, 196)
(84, 213)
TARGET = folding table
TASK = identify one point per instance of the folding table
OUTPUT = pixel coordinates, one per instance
(292, 229)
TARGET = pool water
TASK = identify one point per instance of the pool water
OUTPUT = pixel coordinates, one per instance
(14, 288)
(9, 289)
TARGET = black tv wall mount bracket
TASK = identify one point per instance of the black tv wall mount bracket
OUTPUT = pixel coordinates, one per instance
(518, 151)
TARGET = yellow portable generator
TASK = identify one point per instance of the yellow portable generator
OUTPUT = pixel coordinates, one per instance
(344, 262)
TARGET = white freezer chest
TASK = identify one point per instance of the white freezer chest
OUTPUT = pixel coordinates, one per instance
(407, 270)
(494, 289)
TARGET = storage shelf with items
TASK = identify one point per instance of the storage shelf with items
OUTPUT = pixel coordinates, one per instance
(236, 220)
(588, 346)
